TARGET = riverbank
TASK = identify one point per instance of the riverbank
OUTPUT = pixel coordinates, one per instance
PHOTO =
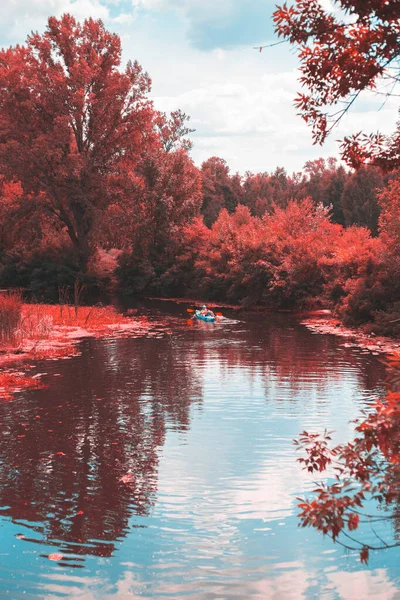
(53, 332)
(319, 321)
(323, 322)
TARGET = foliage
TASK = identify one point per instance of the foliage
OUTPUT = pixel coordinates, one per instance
(41, 273)
(342, 53)
(220, 190)
(73, 124)
(293, 256)
(368, 468)
(173, 129)
(284, 259)
(360, 199)
(351, 197)
(325, 182)
(170, 197)
(373, 294)
(389, 221)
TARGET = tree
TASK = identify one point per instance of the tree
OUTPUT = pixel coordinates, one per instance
(171, 197)
(72, 125)
(333, 187)
(24, 224)
(281, 186)
(360, 198)
(165, 195)
(173, 130)
(300, 236)
(324, 182)
(389, 221)
(219, 191)
(258, 193)
(342, 54)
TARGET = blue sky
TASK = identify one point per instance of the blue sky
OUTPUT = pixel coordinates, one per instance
(200, 56)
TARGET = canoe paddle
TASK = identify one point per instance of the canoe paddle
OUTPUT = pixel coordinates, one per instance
(217, 314)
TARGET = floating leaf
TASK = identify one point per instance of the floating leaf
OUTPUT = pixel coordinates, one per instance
(56, 557)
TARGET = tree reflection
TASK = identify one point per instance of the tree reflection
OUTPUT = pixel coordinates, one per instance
(77, 460)
(274, 345)
(80, 459)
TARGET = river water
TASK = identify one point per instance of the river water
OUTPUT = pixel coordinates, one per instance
(165, 467)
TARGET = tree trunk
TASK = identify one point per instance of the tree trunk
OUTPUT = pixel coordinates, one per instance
(82, 229)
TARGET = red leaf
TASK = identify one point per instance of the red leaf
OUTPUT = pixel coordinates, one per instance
(56, 557)
(364, 555)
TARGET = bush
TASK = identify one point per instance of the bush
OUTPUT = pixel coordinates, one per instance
(387, 322)
(374, 297)
(42, 273)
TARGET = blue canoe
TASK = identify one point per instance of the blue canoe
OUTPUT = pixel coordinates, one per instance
(209, 319)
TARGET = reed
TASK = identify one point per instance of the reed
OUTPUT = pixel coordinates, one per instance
(10, 316)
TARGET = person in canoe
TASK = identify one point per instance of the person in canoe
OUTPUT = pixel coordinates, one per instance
(206, 312)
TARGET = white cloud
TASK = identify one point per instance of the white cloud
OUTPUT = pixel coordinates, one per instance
(249, 124)
(20, 17)
(124, 18)
(226, 23)
(196, 8)
(364, 585)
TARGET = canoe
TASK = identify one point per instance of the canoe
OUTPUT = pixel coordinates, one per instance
(207, 318)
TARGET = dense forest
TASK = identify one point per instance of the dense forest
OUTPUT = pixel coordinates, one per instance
(99, 186)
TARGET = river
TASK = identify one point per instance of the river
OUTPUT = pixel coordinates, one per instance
(165, 468)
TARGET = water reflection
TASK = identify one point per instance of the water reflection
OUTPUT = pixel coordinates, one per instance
(177, 452)
(78, 459)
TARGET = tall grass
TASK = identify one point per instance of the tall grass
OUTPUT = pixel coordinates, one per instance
(10, 315)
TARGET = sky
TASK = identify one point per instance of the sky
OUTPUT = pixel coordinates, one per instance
(200, 56)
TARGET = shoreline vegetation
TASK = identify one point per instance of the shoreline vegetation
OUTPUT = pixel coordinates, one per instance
(30, 333)
(320, 321)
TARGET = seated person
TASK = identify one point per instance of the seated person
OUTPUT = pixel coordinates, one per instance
(205, 312)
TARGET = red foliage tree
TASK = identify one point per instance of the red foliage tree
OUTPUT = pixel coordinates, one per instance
(342, 54)
(291, 257)
(300, 237)
(258, 193)
(72, 124)
(164, 196)
(170, 198)
(324, 181)
(173, 129)
(24, 223)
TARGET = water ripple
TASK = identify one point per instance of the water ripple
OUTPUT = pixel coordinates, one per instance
(165, 468)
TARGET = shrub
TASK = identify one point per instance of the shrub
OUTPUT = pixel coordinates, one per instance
(387, 322)
(42, 273)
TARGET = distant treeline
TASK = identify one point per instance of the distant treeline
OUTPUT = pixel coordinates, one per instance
(351, 196)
